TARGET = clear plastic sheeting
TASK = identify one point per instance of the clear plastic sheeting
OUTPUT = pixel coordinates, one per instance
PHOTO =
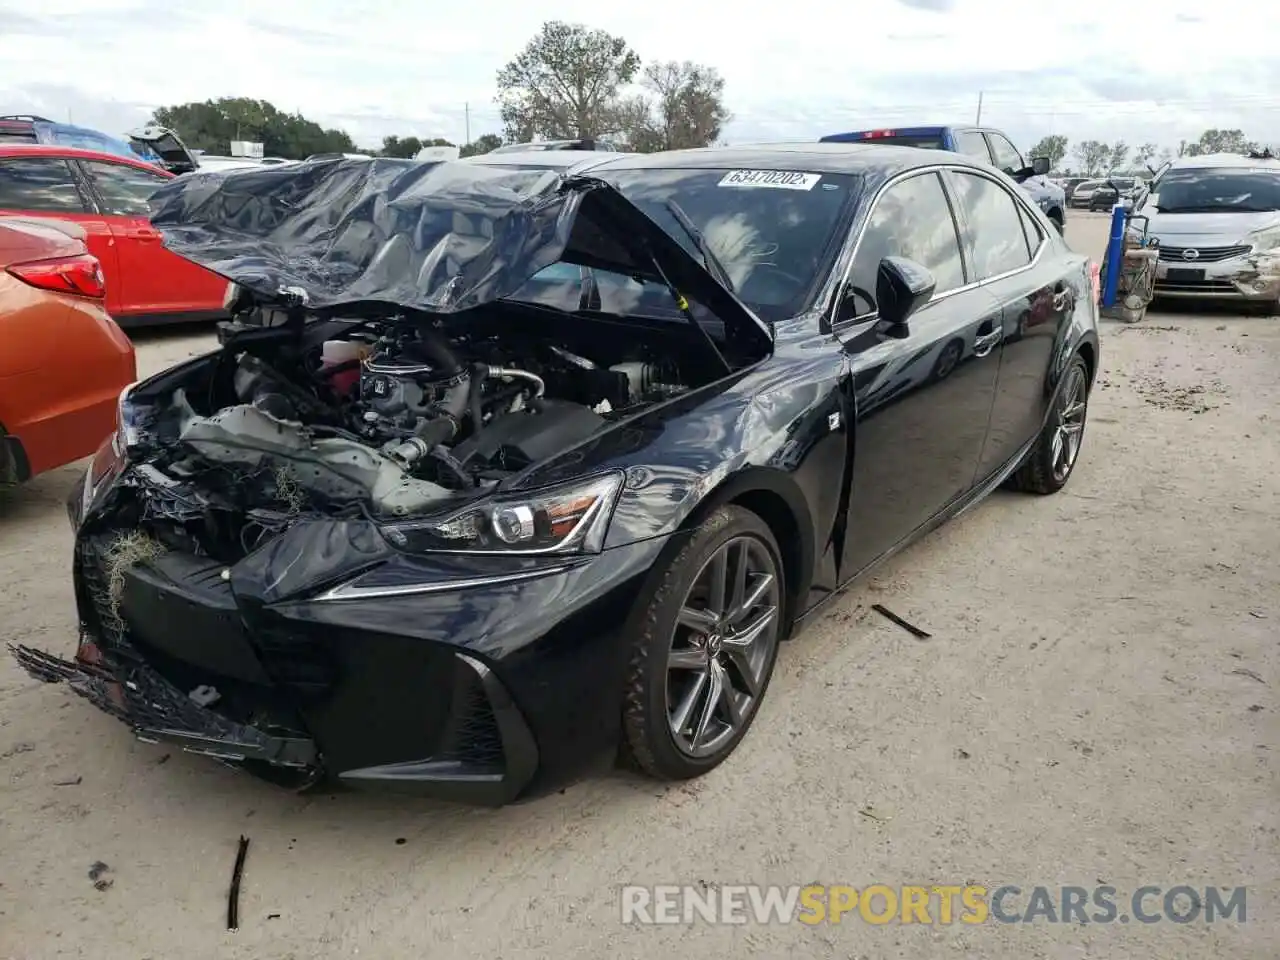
(440, 236)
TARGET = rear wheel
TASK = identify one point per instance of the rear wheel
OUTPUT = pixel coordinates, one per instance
(706, 642)
(1049, 465)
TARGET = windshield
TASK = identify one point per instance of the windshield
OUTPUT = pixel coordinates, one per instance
(774, 232)
(92, 140)
(1214, 190)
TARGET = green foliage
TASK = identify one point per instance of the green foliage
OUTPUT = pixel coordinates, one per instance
(1054, 147)
(408, 147)
(685, 108)
(565, 84)
(213, 124)
(482, 144)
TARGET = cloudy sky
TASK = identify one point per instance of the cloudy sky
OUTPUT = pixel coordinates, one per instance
(793, 70)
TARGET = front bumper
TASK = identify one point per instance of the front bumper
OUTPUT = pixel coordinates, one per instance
(468, 695)
(1250, 278)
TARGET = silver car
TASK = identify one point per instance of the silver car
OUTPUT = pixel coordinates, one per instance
(1217, 219)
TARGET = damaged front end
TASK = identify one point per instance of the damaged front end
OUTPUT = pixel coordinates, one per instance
(374, 413)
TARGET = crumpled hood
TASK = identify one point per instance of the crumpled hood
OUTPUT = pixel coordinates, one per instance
(437, 237)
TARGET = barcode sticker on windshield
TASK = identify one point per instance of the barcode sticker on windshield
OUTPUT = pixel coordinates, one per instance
(777, 179)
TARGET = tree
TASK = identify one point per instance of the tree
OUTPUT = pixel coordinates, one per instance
(408, 147)
(1145, 153)
(1092, 155)
(481, 144)
(565, 83)
(1054, 147)
(1223, 141)
(687, 108)
(1117, 156)
(213, 124)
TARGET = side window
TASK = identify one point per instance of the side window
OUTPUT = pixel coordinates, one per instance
(124, 189)
(972, 144)
(911, 219)
(993, 232)
(43, 184)
(1007, 157)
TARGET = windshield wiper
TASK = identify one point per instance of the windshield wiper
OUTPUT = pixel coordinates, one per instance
(709, 259)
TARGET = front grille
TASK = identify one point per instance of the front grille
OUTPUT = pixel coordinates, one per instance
(1206, 287)
(1203, 254)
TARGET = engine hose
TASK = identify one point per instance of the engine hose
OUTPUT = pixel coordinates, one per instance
(512, 373)
(437, 348)
(478, 374)
(453, 465)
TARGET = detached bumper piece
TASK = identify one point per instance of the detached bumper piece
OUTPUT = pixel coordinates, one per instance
(159, 712)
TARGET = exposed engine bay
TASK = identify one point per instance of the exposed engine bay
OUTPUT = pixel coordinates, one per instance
(386, 418)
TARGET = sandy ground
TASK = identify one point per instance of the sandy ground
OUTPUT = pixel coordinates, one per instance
(1096, 705)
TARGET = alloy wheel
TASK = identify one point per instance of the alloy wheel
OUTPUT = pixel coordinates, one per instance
(722, 647)
(1070, 427)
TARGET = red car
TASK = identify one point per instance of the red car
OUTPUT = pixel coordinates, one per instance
(107, 196)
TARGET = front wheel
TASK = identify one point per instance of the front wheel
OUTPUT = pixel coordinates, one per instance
(706, 642)
(1049, 464)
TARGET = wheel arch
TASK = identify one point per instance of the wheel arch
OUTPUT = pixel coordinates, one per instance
(776, 499)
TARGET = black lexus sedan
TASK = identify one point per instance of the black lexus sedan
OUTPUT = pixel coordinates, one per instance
(498, 470)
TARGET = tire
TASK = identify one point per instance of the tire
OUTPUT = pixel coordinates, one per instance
(1046, 470)
(677, 639)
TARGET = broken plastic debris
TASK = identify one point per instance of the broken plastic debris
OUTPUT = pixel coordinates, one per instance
(204, 695)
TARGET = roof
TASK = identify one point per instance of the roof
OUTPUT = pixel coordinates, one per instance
(544, 159)
(72, 153)
(1236, 160)
(856, 158)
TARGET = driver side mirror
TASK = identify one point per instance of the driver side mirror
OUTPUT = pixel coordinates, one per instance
(1039, 167)
(902, 287)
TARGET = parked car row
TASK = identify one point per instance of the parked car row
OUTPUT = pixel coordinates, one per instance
(984, 144)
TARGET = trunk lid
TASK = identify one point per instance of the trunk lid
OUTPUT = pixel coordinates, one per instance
(165, 148)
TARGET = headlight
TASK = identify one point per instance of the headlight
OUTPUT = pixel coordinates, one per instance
(1264, 240)
(570, 518)
(127, 432)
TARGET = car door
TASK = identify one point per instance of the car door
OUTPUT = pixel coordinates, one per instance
(973, 145)
(1011, 257)
(155, 282)
(923, 394)
(47, 186)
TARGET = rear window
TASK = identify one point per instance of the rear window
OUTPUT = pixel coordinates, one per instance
(38, 184)
(17, 136)
(925, 141)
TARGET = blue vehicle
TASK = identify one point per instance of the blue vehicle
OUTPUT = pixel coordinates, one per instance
(984, 144)
(32, 129)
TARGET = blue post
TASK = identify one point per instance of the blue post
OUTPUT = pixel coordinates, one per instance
(1115, 250)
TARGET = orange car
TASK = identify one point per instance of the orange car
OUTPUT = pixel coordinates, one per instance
(63, 360)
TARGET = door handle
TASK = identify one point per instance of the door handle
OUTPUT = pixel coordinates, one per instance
(983, 345)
